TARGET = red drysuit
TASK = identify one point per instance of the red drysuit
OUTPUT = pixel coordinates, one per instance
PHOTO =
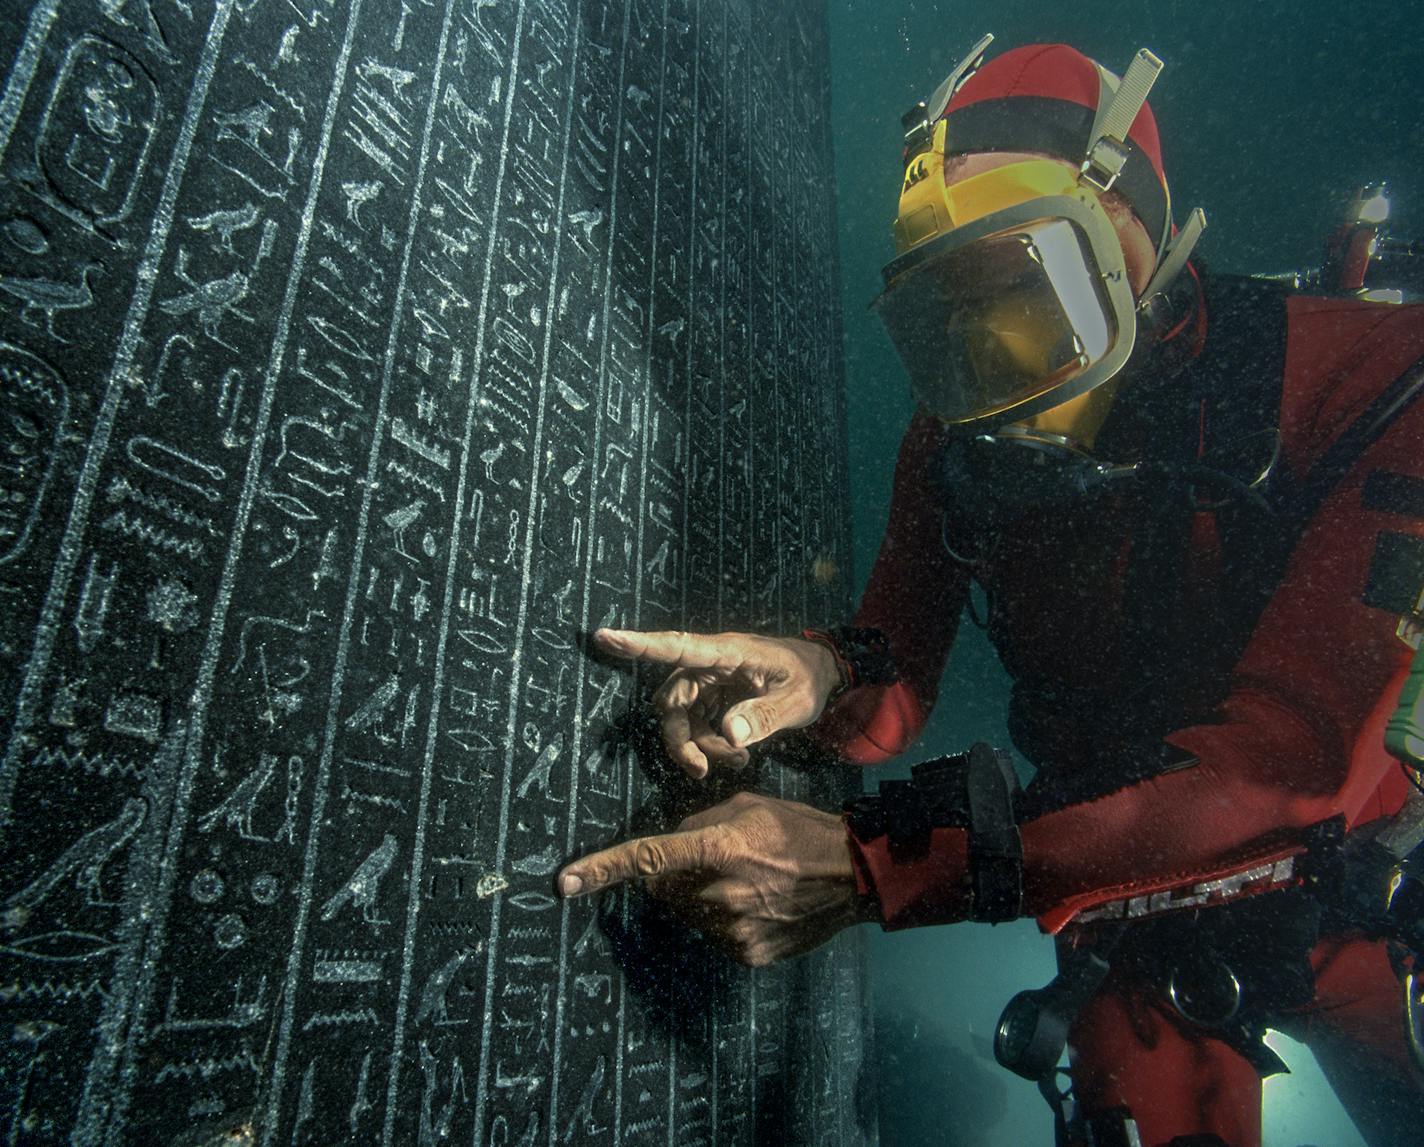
(1291, 738)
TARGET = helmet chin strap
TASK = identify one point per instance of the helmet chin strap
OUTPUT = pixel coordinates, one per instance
(1119, 101)
(955, 80)
(1172, 260)
(1166, 313)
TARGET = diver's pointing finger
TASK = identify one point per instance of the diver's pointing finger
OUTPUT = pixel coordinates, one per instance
(648, 856)
(686, 650)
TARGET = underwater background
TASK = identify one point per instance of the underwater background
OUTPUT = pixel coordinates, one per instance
(359, 356)
(1271, 114)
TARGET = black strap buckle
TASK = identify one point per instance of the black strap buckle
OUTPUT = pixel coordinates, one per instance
(974, 790)
(995, 846)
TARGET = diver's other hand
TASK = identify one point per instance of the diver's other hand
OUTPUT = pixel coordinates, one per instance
(764, 878)
(728, 690)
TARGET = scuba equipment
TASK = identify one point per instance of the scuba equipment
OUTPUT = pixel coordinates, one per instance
(1362, 258)
(1019, 309)
(1009, 296)
(977, 791)
(1404, 735)
(1032, 1033)
(1232, 994)
(1381, 888)
(1349, 250)
(993, 477)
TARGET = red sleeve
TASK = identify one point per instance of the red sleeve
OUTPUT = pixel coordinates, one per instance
(914, 597)
(1298, 737)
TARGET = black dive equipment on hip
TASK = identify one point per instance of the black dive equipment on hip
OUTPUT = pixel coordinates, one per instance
(1033, 1029)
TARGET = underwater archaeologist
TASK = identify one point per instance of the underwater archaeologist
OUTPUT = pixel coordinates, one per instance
(1191, 502)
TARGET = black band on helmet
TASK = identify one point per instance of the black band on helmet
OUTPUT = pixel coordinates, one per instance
(1057, 128)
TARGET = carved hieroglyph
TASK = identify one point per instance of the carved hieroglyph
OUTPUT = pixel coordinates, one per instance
(355, 359)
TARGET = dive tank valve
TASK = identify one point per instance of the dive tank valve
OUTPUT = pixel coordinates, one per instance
(1363, 259)
(1355, 242)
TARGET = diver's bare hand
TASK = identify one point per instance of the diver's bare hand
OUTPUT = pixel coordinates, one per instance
(728, 690)
(765, 878)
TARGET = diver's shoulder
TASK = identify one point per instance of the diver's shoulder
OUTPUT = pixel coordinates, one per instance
(1342, 337)
(1341, 354)
(1357, 311)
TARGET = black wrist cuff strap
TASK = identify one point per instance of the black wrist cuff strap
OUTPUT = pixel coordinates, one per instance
(863, 655)
(975, 791)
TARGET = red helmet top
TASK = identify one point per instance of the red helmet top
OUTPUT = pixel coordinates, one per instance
(1044, 98)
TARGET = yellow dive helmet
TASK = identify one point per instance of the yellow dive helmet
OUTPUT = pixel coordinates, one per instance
(1008, 296)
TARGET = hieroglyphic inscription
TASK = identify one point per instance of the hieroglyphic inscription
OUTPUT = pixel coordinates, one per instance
(356, 358)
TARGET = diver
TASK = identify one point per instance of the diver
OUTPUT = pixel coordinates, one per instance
(1193, 507)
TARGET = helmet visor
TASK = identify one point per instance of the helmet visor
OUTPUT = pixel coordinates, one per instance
(987, 326)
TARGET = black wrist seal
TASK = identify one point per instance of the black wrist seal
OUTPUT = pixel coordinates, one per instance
(862, 656)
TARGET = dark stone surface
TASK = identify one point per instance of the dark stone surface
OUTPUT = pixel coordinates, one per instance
(355, 360)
